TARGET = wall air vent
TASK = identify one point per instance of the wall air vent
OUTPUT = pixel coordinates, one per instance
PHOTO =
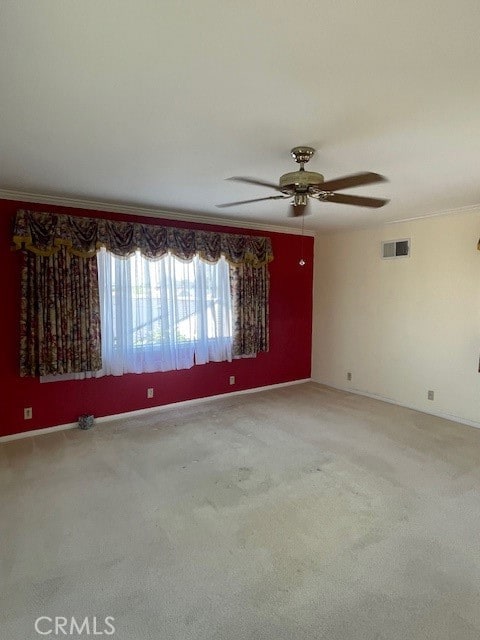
(396, 248)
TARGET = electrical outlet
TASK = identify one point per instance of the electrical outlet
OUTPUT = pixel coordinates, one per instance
(349, 375)
(232, 379)
(431, 395)
(27, 413)
(150, 392)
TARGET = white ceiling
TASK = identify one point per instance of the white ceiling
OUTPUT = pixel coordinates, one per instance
(155, 103)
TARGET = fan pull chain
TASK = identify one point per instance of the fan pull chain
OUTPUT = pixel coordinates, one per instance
(302, 262)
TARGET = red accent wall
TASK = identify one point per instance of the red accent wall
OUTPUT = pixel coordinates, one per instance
(62, 402)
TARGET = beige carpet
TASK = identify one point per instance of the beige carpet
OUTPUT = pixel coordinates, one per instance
(290, 514)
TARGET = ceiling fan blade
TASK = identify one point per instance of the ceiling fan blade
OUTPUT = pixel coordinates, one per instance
(260, 183)
(233, 204)
(354, 180)
(357, 201)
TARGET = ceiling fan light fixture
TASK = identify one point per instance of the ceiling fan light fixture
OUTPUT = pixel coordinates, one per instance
(300, 200)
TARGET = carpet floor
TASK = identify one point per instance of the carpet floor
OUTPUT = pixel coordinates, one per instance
(290, 514)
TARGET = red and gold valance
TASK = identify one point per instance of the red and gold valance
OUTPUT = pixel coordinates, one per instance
(44, 233)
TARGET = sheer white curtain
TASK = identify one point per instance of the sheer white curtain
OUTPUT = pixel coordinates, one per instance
(163, 314)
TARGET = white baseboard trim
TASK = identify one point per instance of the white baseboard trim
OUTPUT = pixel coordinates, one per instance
(140, 412)
(376, 396)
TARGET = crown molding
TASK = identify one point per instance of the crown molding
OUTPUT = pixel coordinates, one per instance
(151, 212)
(471, 208)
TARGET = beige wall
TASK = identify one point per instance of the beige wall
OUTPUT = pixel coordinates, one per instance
(402, 326)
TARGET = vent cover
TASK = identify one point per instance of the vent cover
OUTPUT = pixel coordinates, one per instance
(396, 248)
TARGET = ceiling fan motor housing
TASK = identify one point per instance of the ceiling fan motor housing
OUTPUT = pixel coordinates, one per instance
(300, 181)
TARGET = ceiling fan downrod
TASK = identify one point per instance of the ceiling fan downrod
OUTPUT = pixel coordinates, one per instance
(299, 182)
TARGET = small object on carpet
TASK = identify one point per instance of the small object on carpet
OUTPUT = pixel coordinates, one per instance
(85, 421)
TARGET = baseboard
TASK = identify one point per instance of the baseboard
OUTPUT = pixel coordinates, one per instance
(376, 396)
(140, 412)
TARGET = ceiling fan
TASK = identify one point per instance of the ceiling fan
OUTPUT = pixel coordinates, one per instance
(302, 185)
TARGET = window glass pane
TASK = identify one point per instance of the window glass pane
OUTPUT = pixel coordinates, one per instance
(164, 314)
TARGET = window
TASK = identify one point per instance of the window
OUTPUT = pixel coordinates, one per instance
(159, 315)
(161, 308)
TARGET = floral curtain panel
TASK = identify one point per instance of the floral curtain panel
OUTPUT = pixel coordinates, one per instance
(60, 314)
(44, 233)
(250, 290)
